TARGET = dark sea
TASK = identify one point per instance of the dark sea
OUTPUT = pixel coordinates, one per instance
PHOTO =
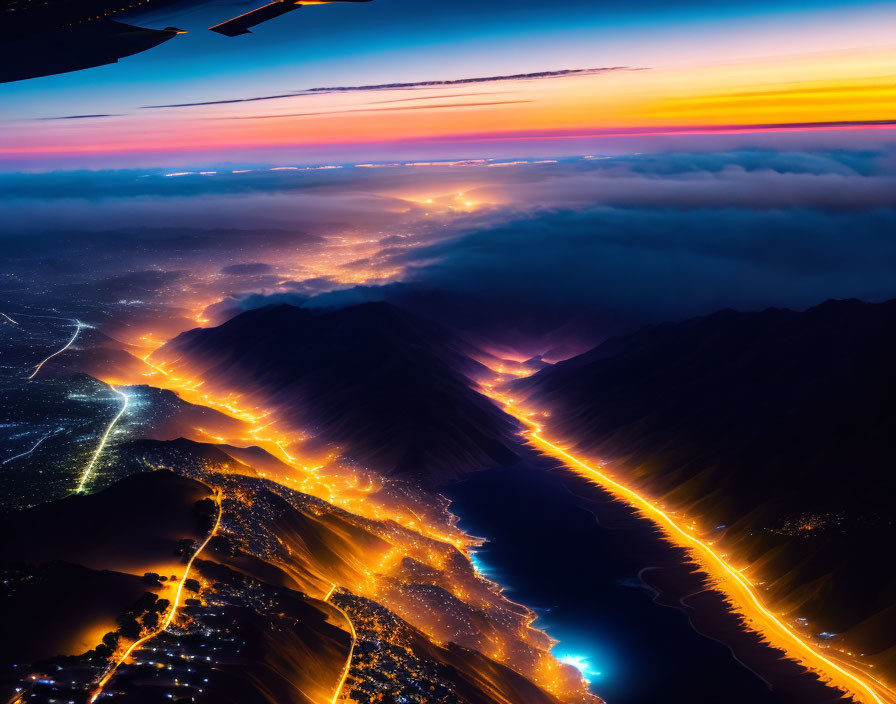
(585, 563)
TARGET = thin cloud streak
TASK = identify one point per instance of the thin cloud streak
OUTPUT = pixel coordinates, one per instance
(403, 86)
(78, 117)
(436, 97)
(343, 112)
(659, 131)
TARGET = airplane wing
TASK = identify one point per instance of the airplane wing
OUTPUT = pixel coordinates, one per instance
(240, 25)
(81, 46)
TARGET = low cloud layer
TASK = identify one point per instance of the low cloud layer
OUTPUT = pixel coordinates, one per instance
(587, 244)
(661, 263)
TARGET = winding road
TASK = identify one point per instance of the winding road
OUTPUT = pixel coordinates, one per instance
(88, 470)
(169, 617)
(78, 326)
(351, 650)
(33, 447)
(729, 580)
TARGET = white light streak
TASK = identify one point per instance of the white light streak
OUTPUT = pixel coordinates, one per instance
(36, 445)
(68, 344)
(85, 475)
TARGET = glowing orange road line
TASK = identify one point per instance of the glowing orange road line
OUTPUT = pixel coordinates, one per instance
(103, 440)
(18, 697)
(738, 588)
(351, 650)
(68, 344)
(275, 443)
(171, 612)
(8, 318)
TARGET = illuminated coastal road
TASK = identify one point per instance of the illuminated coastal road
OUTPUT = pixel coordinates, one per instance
(88, 470)
(171, 611)
(729, 580)
(351, 650)
(78, 326)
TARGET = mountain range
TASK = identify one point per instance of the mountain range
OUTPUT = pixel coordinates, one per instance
(392, 390)
(775, 427)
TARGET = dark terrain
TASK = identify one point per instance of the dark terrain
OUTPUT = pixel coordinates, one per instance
(775, 427)
(389, 388)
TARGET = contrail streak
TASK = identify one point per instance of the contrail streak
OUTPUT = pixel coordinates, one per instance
(68, 344)
(36, 445)
(85, 475)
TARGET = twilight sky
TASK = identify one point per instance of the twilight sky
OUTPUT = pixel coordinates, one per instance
(700, 66)
(600, 165)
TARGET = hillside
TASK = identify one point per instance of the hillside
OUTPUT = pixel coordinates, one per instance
(391, 390)
(777, 427)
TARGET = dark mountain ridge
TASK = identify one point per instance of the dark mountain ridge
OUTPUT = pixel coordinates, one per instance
(776, 426)
(392, 389)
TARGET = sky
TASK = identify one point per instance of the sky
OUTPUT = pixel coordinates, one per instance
(538, 173)
(610, 70)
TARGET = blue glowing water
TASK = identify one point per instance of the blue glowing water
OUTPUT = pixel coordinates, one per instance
(567, 550)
